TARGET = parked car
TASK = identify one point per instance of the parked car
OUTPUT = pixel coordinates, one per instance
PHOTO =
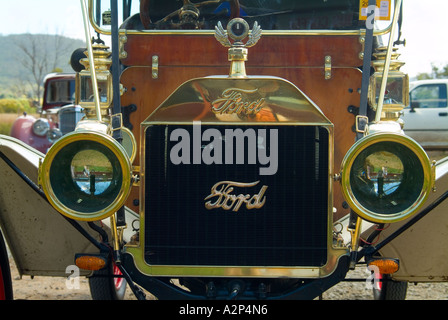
(426, 118)
(58, 114)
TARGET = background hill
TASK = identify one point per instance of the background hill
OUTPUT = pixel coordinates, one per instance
(26, 58)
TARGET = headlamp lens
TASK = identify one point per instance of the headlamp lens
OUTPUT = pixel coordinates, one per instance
(83, 176)
(387, 178)
(86, 175)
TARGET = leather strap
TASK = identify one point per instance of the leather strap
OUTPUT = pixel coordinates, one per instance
(361, 119)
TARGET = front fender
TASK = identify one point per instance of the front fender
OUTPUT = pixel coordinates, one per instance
(6, 292)
(422, 249)
(41, 241)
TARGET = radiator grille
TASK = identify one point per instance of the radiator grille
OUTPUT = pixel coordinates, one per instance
(69, 117)
(289, 230)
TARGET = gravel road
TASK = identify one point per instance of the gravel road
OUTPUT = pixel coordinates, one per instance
(50, 288)
(54, 288)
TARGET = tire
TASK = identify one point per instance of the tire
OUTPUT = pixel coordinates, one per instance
(6, 292)
(104, 285)
(389, 289)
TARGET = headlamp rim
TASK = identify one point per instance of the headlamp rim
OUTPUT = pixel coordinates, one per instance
(106, 140)
(363, 144)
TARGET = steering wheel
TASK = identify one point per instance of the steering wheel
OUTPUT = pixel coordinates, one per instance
(188, 14)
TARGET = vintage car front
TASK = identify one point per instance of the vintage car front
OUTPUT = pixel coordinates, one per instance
(58, 113)
(236, 179)
(236, 188)
(242, 165)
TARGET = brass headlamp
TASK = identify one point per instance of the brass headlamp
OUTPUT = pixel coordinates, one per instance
(86, 175)
(386, 176)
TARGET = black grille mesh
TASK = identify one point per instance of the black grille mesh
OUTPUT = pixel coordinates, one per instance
(289, 230)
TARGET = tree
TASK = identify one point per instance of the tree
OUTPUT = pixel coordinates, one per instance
(40, 56)
(437, 73)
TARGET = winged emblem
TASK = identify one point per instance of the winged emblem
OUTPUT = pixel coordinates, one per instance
(254, 36)
(222, 36)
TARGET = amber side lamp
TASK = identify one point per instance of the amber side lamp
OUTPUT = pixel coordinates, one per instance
(384, 265)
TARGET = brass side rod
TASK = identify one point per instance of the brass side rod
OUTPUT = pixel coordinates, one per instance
(91, 61)
(379, 109)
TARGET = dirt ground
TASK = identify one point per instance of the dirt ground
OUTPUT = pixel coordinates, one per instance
(51, 288)
(55, 288)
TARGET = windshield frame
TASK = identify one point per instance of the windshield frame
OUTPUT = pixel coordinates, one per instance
(360, 31)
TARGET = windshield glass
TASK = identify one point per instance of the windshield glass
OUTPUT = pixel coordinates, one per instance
(294, 15)
(60, 91)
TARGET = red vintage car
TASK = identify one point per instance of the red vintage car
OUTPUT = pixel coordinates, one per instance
(58, 114)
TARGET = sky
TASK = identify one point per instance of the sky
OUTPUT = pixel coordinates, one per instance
(423, 27)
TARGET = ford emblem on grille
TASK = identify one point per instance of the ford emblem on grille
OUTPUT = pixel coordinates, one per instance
(221, 193)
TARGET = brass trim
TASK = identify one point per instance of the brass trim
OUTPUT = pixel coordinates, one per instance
(155, 67)
(283, 102)
(93, 76)
(362, 41)
(394, 26)
(269, 33)
(136, 176)
(122, 39)
(355, 234)
(114, 231)
(327, 67)
(334, 252)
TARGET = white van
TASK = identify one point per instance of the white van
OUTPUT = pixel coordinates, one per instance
(426, 119)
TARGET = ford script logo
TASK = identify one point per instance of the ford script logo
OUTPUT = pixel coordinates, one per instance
(223, 196)
(237, 101)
